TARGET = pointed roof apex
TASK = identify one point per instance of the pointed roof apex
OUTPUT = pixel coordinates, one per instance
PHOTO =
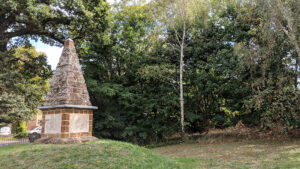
(68, 85)
(69, 43)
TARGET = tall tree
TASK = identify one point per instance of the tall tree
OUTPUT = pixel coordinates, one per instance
(52, 21)
(178, 16)
(268, 58)
(178, 10)
(214, 91)
(287, 15)
(283, 17)
(23, 78)
(130, 79)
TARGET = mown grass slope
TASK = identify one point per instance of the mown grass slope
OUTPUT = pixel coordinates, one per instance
(94, 154)
(114, 155)
(252, 154)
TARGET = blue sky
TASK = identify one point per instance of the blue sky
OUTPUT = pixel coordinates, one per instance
(53, 52)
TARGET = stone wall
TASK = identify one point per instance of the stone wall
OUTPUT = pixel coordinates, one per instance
(67, 111)
(73, 122)
(67, 86)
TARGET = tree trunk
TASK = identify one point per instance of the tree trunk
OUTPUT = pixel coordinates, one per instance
(183, 15)
(181, 94)
(297, 63)
(296, 72)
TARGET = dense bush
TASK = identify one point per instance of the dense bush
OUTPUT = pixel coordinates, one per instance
(233, 72)
(241, 63)
(19, 129)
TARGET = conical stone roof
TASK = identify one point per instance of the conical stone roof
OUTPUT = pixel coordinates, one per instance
(68, 85)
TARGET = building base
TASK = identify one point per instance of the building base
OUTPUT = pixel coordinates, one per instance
(67, 122)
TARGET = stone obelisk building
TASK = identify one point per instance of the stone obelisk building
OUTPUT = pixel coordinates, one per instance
(67, 111)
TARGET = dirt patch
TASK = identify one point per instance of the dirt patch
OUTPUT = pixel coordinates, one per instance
(51, 140)
(241, 133)
(244, 154)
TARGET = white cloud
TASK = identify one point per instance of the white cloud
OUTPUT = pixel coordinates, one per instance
(116, 1)
(111, 1)
(53, 54)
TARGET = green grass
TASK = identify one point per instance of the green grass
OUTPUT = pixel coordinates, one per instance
(248, 154)
(95, 154)
(114, 154)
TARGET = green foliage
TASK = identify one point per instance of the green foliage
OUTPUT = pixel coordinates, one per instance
(241, 63)
(213, 83)
(232, 72)
(129, 83)
(23, 84)
(19, 129)
(13, 109)
(52, 21)
(268, 61)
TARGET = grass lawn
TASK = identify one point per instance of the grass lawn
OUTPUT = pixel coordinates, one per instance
(249, 154)
(94, 154)
(114, 154)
